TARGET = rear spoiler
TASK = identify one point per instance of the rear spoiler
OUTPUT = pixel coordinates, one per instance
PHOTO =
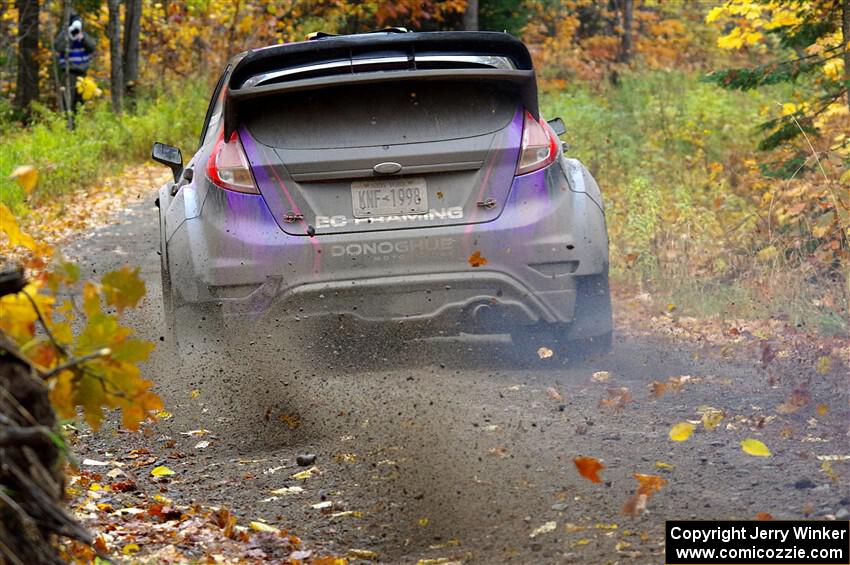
(379, 57)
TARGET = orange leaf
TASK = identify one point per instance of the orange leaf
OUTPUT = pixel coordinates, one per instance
(657, 388)
(589, 467)
(476, 260)
(649, 484)
(764, 516)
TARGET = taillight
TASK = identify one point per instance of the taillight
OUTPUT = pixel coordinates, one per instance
(228, 166)
(539, 145)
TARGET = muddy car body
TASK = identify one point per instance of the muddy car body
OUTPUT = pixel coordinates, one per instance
(387, 177)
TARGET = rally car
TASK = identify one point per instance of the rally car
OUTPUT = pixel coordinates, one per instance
(405, 179)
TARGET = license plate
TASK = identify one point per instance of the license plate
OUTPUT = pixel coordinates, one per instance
(389, 197)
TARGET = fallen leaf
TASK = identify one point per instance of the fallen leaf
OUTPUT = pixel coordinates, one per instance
(589, 467)
(196, 433)
(763, 516)
(305, 474)
(130, 549)
(26, 176)
(291, 420)
(617, 399)
(161, 471)
(544, 529)
(202, 445)
(822, 410)
(322, 505)
(195, 393)
(663, 465)
(347, 514)
(681, 431)
(423, 522)
(499, 451)
(545, 353)
(263, 527)
(711, 418)
(288, 490)
(362, 554)
(476, 260)
(553, 393)
(94, 463)
(657, 389)
(601, 376)
(824, 364)
(755, 447)
(649, 484)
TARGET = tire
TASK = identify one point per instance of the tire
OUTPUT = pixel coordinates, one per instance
(590, 334)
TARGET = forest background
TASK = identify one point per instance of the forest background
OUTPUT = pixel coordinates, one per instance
(717, 130)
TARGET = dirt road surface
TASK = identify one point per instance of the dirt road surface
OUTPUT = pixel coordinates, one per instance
(453, 448)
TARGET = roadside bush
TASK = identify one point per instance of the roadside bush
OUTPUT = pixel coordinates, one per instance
(690, 214)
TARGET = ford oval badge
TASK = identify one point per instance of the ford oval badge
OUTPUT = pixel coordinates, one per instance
(386, 168)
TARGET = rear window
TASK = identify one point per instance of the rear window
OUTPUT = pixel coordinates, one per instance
(379, 114)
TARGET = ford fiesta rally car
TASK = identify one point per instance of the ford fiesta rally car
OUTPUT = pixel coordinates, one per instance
(388, 177)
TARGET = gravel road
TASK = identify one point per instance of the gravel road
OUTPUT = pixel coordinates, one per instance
(454, 448)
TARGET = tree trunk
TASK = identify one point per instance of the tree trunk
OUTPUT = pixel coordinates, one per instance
(32, 482)
(27, 85)
(627, 15)
(470, 16)
(116, 74)
(132, 25)
(845, 35)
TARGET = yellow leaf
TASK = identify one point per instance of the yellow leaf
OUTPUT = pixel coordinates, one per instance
(88, 88)
(663, 465)
(711, 418)
(130, 548)
(26, 176)
(263, 527)
(305, 474)
(822, 410)
(423, 522)
(161, 471)
(9, 226)
(824, 364)
(195, 393)
(681, 431)
(362, 554)
(123, 288)
(755, 448)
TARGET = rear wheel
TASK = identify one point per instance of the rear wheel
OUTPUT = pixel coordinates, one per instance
(590, 334)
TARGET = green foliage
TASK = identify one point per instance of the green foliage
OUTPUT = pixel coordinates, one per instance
(762, 75)
(102, 142)
(502, 15)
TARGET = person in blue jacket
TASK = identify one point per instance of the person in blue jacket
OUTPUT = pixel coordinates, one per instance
(74, 51)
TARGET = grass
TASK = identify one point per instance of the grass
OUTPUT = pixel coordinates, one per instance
(102, 143)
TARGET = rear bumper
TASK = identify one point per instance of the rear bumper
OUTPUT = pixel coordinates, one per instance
(551, 234)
